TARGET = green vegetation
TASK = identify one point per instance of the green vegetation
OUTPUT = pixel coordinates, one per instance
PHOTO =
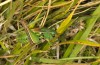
(49, 32)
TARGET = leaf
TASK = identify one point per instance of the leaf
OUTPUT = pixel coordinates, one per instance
(34, 37)
(83, 42)
(47, 35)
(66, 22)
(22, 37)
(60, 61)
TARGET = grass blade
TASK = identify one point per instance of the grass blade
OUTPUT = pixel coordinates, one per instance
(91, 22)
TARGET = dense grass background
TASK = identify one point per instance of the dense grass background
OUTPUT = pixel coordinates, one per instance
(49, 32)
